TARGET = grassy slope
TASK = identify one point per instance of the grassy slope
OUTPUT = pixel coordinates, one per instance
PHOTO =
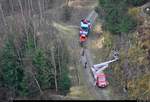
(132, 70)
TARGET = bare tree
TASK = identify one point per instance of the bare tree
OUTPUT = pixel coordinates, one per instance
(12, 7)
(30, 73)
(19, 1)
(55, 70)
(3, 17)
(43, 7)
(6, 25)
(29, 9)
(37, 84)
(33, 22)
(31, 6)
(60, 55)
(40, 8)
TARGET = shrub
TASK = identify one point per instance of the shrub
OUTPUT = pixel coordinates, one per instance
(42, 70)
(136, 2)
(13, 75)
(64, 82)
(134, 11)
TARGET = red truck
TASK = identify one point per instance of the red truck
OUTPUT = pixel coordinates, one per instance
(99, 75)
(101, 81)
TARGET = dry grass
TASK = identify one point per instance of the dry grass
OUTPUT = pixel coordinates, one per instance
(82, 3)
(134, 11)
(79, 92)
(97, 44)
(97, 28)
(70, 33)
(140, 87)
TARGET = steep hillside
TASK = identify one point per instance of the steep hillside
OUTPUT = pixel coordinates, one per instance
(40, 56)
(131, 74)
(35, 40)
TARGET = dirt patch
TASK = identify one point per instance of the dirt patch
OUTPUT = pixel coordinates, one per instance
(79, 92)
(97, 28)
(80, 3)
(98, 43)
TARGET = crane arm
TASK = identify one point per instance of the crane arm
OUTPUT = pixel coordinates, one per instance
(97, 66)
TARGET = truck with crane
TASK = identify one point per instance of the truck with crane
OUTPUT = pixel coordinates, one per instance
(99, 75)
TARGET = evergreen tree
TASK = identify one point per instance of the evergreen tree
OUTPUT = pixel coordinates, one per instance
(42, 70)
(19, 76)
(12, 72)
(136, 2)
(116, 18)
(64, 82)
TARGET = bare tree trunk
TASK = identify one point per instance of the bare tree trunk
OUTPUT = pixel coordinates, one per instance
(22, 12)
(59, 59)
(40, 11)
(3, 17)
(32, 20)
(37, 84)
(45, 4)
(55, 70)
(12, 10)
(34, 35)
(12, 7)
(18, 54)
(31, 7)
(7, 28)
(125, 75)
(77, 72)
(43, 8)
(23, 19)
(30, 73)
(34, 78)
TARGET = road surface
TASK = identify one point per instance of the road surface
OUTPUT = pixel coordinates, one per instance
(87, 62)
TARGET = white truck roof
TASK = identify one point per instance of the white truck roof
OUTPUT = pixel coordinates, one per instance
(83, 25)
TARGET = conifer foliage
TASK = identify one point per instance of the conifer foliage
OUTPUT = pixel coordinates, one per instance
(25, 64)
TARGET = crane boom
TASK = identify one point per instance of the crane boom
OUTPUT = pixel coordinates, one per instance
(99, 66)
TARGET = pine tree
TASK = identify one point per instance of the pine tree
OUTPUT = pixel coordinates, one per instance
(116, 18)
(64, 82)
(42, 70)
(136, 2)
(12, 72)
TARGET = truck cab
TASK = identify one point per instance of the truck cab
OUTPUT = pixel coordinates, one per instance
(101, 81)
